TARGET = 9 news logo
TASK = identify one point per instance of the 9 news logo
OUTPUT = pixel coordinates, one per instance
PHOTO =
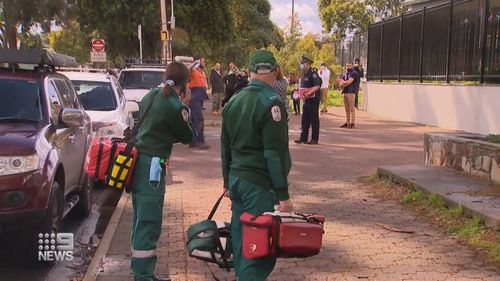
(55, 247)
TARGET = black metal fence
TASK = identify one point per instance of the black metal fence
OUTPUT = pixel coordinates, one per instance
(454, 41)
(350, 48)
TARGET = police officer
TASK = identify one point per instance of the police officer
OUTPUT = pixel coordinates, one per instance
(165, 123)
(255, 157)
(310, 88)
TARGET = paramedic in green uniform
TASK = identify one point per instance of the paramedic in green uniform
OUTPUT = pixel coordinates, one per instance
(166, 123)
(255, 157)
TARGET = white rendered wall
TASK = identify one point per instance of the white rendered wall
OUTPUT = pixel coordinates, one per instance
(474, 109)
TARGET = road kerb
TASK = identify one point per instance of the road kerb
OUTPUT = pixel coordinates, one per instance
(109, 233)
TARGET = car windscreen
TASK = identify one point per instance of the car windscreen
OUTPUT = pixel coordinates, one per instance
(141, 79)
(20, 100)
(95, 96)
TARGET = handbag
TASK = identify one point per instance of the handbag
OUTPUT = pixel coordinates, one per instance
(282, 235)
(112, 160)
(101, 154)
(210, 241)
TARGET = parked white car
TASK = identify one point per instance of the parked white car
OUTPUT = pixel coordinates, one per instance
(103, 100)
(136, 82)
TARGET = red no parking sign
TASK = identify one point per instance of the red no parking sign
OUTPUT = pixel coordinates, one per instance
(98, 45)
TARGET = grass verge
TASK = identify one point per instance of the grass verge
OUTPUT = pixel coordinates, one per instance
(493, 138)
(452, 220)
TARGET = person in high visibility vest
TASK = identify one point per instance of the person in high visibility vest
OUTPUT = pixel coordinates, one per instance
(255, 157)
(166, 122)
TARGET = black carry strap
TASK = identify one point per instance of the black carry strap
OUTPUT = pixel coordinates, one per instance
(216, 206)
(223, 253)
(99, 155)
(131, 134)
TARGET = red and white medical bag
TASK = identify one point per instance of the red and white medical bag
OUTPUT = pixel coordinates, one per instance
(283, 235)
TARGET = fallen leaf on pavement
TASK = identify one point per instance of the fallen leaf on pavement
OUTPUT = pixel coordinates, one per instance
(393, 229)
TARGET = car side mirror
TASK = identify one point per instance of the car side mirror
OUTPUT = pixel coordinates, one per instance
(72, 117)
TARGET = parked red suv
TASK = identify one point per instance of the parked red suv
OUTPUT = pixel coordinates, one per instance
(44, 137)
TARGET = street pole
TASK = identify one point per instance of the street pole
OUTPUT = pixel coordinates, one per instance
(139, 35)
(172, 27)
(164, 50)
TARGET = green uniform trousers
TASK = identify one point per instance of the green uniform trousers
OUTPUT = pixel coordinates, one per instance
(248, 197)
(147, 202)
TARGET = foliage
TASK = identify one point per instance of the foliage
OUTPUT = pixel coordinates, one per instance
(295, 45)
(386, 8)
(493, 138)
(253, 30)
(453, 220)
(415, 196)
(27, 13)
(206, 26)
(117, 22)
(344, 17)
(72, 41)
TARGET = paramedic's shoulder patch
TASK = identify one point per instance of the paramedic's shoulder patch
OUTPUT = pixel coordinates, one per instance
(185, 114)
(276, 113)
(315, 75)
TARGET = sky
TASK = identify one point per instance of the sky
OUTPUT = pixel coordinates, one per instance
(307, 10)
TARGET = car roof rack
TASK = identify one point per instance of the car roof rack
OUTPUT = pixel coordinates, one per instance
(155, 63)
(82, 69)
(143, 63)
(41, 57)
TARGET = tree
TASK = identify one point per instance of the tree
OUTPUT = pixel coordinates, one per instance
(72, 41)
(207, 26)
(386, 8)
(26, 13)
(342, 16)
(253, 30)
(198, 25)
(117, 21)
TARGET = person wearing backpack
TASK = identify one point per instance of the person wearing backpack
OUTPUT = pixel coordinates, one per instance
(164, 120)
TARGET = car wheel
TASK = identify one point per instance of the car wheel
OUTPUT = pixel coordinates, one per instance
(53, 220)
(28, 245)
(84, 207)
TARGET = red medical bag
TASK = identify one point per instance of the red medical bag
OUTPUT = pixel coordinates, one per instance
(101, 156)
(283, 235)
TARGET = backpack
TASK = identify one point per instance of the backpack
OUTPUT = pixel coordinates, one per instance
(210, 240)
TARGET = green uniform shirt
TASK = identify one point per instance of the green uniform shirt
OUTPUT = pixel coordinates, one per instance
(254, 140)
(166, 123)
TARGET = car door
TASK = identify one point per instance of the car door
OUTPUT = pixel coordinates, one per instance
(75, 138)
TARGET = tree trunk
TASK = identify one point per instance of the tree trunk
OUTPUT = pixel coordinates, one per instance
(10, 36)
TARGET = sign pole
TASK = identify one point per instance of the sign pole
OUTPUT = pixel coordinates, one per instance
(164, 29)
(139, 34)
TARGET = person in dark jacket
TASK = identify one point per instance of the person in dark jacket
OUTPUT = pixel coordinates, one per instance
(217, 83)
(360, 71)
(230, 81)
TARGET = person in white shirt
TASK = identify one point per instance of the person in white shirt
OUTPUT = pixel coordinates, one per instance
(324, 73)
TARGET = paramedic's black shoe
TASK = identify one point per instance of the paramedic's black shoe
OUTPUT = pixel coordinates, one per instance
(352, 126)
(345, 125)
(299, 141)
(312, 142)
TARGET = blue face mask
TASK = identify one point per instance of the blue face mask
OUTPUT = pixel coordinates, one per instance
(302, 66)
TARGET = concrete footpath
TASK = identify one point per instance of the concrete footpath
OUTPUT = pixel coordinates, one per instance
(324, 179)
